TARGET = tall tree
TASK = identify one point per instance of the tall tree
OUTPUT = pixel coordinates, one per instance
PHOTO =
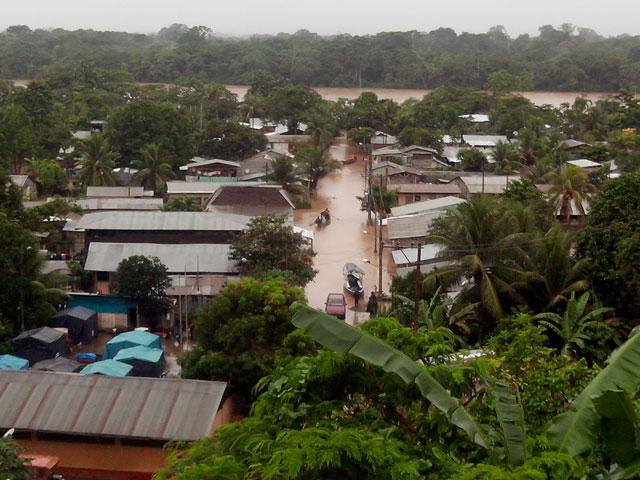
(97, 162)
(144, 280)
(269, 244)
(570, 190)
(153, 170)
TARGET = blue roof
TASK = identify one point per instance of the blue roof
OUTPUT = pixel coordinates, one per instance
(101, 303)
(131, 339)
(152, 355)
(110, 368)
(11, 362)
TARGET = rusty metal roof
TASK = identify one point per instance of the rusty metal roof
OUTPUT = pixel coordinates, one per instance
(94, 405)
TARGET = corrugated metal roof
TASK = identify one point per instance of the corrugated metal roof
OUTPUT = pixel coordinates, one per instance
(443, 203)
(584, 163)
(19, 180)
(414, 226)
(115, 192)
(201, 162)
(198, 257)
(133, 408)
(189, 221)
(409, 256)
(493, 184)
(120, 203)
(426, 188)
(475, 117)
(484, 140)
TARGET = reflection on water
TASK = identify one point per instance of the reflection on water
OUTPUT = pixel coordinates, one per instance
(347, 238)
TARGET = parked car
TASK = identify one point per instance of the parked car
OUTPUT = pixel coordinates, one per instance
(336, 305)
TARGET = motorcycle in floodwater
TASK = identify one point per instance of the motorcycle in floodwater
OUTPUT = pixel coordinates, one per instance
(323, 219)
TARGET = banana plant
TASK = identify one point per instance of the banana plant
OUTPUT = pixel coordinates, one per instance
(341, 338)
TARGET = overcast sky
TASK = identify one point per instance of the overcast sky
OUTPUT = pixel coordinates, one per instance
(241, 17)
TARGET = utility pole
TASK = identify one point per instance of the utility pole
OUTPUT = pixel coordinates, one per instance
(483, 160)
(418, 294)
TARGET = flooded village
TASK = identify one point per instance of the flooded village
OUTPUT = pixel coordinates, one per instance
(207, 280)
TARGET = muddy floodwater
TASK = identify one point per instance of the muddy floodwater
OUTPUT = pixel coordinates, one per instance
(347, 238)
(400, 95)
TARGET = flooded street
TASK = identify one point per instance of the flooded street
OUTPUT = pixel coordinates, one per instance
(347, 238)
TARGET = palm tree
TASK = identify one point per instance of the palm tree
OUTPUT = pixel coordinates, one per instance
(319, 132)
(153, 169)
(97, 163)
(284, 172)
(570, 190)
(574, 324)
(481, 243)
(553, 274)
(317, 164)
(506, 158)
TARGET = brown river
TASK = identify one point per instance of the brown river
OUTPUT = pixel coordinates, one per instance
(399, 95)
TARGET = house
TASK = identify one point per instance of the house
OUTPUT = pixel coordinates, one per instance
(416, 192)
(438, 204)
(423, 158)
(252, 200)
(158, 227)
(200, 168)
(190, 260)
(118, 192)
(406, 259)
(97, 126)
(484, 141)
(123, 203)
(256, 168)
(483, 184)
(475, 117)
(395, 173)
(416, 156)
(284, 143)
(268, 126)
(585, 164)
(391, 153)
(382, 139)
(571, 145)
(410, 229)
(25, 185)
(199, 192)
(102, 427)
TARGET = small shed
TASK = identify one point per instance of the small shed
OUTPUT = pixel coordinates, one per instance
(146, 362)
(58, 364)
(131, 339)
(81, 322)
(109, 368)
(11, 362)
(39, 344)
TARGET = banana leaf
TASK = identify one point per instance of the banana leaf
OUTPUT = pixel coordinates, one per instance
(511, 419)
(619, 425)
(576, 430)
(342, 338)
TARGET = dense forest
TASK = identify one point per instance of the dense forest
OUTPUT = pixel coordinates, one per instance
(565, 58)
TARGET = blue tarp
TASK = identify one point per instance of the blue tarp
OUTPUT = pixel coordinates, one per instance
(131, 339)
(146, 362)
(11, 362)
(110, 368)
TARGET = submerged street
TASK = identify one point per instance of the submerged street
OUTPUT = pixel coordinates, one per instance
(347, 238)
